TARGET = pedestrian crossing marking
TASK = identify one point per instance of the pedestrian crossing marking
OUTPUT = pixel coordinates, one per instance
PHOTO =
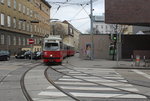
(79, 88)
(97, 95)
(52, 93)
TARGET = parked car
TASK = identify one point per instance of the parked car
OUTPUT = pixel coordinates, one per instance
(27, 54)
(4, 55)
(20, 55)
(37, 55)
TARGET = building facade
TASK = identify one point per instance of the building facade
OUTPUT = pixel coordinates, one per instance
(68, 33)
(127, 12)
(100, 27)
(101, 43)
(136, 30)
(21, 19)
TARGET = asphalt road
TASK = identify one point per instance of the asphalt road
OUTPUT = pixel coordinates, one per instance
(86, 80)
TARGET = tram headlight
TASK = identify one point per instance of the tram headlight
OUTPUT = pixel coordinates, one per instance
(51, 55)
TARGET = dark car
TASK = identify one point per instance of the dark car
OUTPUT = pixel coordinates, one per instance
(28, 54)
(4, 55)
(37, 55)
(20, 55)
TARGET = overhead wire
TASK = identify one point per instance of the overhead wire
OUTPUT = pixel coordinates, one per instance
(78, 19)
(78, 12)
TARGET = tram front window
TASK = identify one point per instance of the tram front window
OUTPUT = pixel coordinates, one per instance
(51, 46)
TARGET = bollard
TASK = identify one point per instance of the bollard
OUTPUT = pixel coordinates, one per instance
(144, 59)
(137, 61)
(132, 59)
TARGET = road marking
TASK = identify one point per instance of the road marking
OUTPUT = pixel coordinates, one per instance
(70, 79)
(74, 83)
(107, 95)
(85, 88)
(52, 93)
(142, 73)
(99, 95)
(117, 84)
(52, 99)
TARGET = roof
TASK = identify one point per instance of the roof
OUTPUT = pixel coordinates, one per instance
(46, 3)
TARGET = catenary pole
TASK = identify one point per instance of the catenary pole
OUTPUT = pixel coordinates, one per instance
(92, 41)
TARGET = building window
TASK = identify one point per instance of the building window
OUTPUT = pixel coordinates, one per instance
(9, 40)
(35, 41)
(24, 9)
(19, 7)
(24, 26)
(19, 24)
(24, 41)
(15, 4)
(31, 28)
(19, 41)
(2, 39)
(35, 30)
(31, 13)
(8, 3)
(2, 1)
(14, 41)
(27, 42)
(28, 11)
(8, 21)
(14, 23)
(2, 19)
(28, 27)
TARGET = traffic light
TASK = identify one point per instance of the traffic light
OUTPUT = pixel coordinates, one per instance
(114, 37)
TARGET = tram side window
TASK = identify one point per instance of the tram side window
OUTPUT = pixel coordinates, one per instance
(61, 45)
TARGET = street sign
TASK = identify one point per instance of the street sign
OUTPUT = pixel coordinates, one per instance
(31, 41)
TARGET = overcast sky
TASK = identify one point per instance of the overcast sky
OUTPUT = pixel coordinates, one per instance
(77, 15)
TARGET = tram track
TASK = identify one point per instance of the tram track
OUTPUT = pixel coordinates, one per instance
(59, 88)
(98, 84)
(108, 78)
(22, 84)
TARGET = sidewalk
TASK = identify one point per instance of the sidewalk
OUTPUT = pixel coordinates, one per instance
(102, 63)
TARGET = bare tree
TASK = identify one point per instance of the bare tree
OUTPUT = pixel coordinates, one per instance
(59, 29)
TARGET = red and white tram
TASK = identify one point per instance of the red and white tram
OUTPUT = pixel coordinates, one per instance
(55, 51)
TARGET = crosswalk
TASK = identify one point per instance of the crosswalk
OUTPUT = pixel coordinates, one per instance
(112, 85)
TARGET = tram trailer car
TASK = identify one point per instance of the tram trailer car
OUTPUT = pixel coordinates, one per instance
(55, 51)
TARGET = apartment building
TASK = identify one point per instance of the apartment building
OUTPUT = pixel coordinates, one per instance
(100, 27)
(21, 19)
(68, 33)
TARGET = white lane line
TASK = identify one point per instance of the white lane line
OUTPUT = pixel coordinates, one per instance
(85, 88)
(114, 78)
(117, 84)
(94, 88)
(85, 77)
(52, 93)
(131, 96)
(74, 83)
(129, 89)
(74, 72)
(107, 95)
(99, 95)
(70, 79)
(51, 99)
(142, 73)
(100, 80)
(78, 74)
